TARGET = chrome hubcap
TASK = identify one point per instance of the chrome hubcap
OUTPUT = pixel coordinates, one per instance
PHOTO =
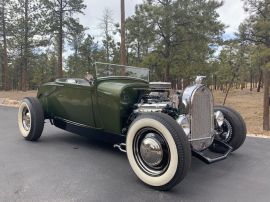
(26, 119)
(151, 151)
(225, 131)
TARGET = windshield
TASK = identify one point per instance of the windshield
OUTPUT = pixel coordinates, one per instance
(110, 70)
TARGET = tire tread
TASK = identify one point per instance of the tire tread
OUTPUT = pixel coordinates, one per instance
(238, 124)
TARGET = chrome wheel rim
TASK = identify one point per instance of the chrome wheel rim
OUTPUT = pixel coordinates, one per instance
(224, 131)
(151, 151)
(26, 119)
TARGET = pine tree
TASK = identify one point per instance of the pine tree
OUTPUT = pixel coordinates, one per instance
(181, 33)
(27, 34)
(256, 30)
(3, 35)
(60, 14)
(107, 28)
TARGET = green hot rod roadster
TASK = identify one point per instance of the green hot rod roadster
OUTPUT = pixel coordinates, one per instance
(160, 132)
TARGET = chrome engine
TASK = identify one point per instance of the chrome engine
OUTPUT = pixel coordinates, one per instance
(150, 107)
(157, 99)
(196, 114)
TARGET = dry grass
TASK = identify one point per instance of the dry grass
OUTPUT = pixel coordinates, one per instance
(249, 104)
(17, 95)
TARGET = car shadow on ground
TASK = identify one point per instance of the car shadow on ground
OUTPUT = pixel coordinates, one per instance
(199, 171)
(91, 142)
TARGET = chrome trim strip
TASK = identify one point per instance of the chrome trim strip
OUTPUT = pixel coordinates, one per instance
(198, 139)
(75, 123)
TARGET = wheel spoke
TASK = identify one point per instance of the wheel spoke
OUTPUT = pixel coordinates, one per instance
(26, 119)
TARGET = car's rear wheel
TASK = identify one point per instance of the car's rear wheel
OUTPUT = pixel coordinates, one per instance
(158, 150)
(31, 119)
(232, 131)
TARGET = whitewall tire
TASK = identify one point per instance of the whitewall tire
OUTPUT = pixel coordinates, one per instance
(31, 119)
(158, 150)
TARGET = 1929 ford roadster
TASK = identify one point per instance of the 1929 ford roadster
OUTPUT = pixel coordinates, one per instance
(160, 133)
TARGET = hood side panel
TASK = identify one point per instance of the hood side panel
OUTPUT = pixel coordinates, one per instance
(116, 99)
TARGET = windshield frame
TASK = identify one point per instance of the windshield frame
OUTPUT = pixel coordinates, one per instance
(118, 76)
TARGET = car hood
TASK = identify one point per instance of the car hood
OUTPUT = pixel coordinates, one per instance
(115, 86)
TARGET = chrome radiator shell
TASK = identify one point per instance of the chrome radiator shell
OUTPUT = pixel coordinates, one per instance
(199, 101)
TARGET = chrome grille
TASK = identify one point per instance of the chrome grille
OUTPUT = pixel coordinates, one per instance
(202, 123)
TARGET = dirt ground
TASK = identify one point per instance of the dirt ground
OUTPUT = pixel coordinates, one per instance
(249, 104)
(17, 95)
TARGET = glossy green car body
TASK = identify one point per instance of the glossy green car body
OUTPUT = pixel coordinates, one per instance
(104, 105)
(156, 130)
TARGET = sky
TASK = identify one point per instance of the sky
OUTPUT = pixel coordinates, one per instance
(231, 14)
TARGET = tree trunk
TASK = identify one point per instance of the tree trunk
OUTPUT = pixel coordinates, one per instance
(107, 48)
(17, 69)
(123, 38)
(266, 101)
(260, 81)
(5, 65)
(251, 82)
(5, 79)
(23, 79)
(138, 52)
(20, 69)
(167, 72)
(180, 84)
(123, 35)
(185, 83)
(60, 42)
(215, 82)
(25, 55)
(242, 85)
(229, 87)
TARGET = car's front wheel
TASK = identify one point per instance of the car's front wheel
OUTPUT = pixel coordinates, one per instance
(158, 150)
(233, 130)
(31, 119)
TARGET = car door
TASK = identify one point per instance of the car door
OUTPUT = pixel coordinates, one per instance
(75, 102)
